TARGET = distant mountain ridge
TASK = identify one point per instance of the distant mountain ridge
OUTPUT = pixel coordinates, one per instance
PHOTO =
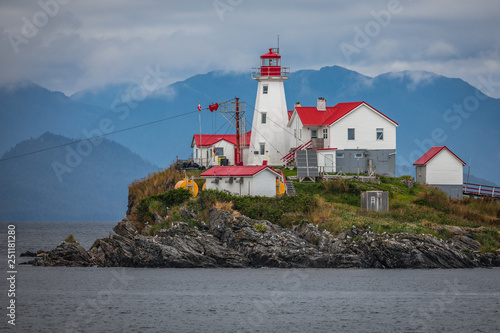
(431, 110)
(85, 182)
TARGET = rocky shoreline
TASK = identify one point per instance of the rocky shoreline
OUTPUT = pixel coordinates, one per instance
(229, 241)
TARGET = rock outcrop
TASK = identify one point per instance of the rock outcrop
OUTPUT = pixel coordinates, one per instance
(229, 241)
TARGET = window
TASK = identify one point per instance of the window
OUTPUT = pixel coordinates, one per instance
(262, 148)
(325, 133)
(263, 118)
(196, 153)
(219, 151)
(340, 155)
(300, 133)
(295, 133)
(314, 134)
(358, 155)
(350, 134)
(380, 134)
(265, 89)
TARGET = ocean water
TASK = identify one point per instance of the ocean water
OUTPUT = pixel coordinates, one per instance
(70, 299)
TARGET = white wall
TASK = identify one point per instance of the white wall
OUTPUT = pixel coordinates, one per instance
(262, 184)
(274, 105)
(327, 160)
(228, 153)
(365, 122)
(444, 169)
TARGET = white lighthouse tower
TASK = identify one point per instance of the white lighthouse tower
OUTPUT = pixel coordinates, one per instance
(268, 142)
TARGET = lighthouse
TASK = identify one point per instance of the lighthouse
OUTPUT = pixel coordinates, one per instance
(268, 141)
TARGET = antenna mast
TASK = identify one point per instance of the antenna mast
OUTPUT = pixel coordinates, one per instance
(233, 111)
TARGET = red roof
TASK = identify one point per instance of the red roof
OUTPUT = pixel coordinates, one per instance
(208, 140)
(425, 158)
(270, 54)
(289, 114)
(236, 171)
(311, 116)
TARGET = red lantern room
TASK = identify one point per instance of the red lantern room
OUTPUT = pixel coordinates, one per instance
(270, 65)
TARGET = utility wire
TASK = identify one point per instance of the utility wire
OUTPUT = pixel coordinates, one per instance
(97, 136)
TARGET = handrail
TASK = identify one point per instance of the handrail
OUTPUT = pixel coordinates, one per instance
(482, 190)
(288, 157)
(285, 72)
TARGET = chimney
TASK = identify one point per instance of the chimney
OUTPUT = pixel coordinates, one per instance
(297, 104)
(321, 104)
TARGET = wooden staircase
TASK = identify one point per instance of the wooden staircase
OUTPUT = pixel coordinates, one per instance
(289, 158)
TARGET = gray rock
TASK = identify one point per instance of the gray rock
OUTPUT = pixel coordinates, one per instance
(229, 241)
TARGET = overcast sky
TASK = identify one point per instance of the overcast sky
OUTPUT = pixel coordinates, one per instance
(71, 45)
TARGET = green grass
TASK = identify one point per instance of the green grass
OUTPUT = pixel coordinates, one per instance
(335, 204)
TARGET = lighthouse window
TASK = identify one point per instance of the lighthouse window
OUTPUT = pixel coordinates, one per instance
(263, 118)
(262, 148)
(265, 89)
(350, 134)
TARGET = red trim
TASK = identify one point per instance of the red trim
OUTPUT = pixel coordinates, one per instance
(311, 116)
(429, 155)
(208, 140)
(236, 171)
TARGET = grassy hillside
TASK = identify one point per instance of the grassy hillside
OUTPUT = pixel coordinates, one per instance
(331, 205)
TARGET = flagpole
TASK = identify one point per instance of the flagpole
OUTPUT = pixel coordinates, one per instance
(201, 145)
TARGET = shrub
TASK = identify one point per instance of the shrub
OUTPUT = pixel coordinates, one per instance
(159, 203)
(260, 228)
(71, 239)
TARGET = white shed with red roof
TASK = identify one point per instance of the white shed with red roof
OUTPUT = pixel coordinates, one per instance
(441, 168)
(259, 180)
(207, 148)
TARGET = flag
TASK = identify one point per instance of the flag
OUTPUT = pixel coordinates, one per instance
(199, 107)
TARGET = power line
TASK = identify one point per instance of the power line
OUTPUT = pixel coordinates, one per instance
(97, 136)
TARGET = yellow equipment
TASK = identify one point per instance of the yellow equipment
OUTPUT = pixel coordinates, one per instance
(188, 184)
(280, 187)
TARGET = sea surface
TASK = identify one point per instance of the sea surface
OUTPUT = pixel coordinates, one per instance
(70, 299)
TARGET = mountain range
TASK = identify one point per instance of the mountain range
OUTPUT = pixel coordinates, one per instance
(86, 181)
(430, 109)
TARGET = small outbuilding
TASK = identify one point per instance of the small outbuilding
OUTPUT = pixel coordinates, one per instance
(441, 168)
(260, 180)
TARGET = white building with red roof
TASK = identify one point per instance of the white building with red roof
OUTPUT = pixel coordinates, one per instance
(441, 168)
(208, 148)
(243, 180)
(352, 136)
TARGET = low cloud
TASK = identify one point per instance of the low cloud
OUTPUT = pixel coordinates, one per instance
(89, 44)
